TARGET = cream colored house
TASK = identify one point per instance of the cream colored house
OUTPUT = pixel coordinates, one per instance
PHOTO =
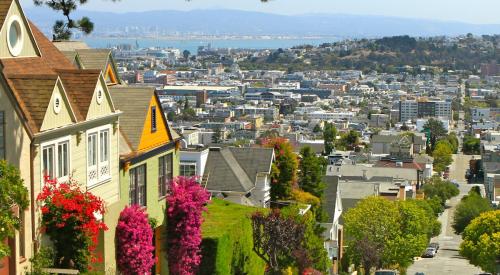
(55, 119)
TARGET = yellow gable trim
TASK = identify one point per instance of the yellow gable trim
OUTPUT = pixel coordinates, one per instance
(110, 74)
(152, 139)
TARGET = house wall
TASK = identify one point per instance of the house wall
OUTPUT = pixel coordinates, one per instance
(200, 157)
(52, 119)
(28, 48)
(261, 194)
(17, 149)
(106, 106)
(155, 206)
(150, 139)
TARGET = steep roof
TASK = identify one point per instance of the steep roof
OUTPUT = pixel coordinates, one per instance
(33, 92)
(80, 86)
(94, 58)
(134, 103)
(4, 9)
(235, 169)
(69, 46)
(32, 80)
(330, 195)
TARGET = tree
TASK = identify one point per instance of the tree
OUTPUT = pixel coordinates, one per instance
(453, 140)
(186, 54)
(471, 145)
(13, 194)
(350, 140)
(63, 29)
(284, 169)
(435, 187)
(385, 233)
(275, 238)
(481, 241)
(330, 137)
(217, 136)
(435, 129)
(442, 155)
(311, 172)
(316, 128)
(470, 207)
(171, 116)
(134, 242)
(186, 202)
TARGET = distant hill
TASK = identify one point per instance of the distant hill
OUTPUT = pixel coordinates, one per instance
(218, 22)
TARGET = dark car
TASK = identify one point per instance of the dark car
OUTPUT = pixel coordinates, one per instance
(419, 273)
(429, 253)
(434, 245)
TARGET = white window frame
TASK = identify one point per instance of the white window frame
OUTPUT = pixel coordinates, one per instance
(55, 144)
(187, 163)
(102, 168)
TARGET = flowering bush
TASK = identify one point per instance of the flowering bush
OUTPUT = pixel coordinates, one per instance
(70, 217)
(186, 202)
(134, 238)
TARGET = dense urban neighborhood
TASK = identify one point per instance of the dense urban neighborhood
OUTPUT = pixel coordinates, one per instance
(362, 156)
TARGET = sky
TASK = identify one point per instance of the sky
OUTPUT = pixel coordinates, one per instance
(471, 11)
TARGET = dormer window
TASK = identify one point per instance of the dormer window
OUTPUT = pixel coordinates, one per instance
(15, 36)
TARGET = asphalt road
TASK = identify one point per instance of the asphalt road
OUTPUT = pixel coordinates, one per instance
(447, 260)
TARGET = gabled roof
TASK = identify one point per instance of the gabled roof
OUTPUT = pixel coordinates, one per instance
(94, 58)
(33, 92)
(69, 46)
(235, 169)
(80, 86)
(32, 80)
(330, 195)
(134, 103)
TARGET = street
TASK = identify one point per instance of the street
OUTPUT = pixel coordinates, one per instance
(447, 260)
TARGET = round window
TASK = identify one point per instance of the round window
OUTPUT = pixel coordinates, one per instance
(14, 36)
(99, 96)
(57, 104)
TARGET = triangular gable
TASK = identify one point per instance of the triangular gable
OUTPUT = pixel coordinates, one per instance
(154, 138)
(59, 112)
(110, 76)
(101, 104)
(27, 44)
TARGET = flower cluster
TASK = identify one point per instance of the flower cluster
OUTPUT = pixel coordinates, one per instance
(72, 220)
(134, 241)
(186, 202)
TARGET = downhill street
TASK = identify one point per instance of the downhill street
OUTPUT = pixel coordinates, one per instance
(447, 260)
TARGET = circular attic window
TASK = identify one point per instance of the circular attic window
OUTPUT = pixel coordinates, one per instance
(57, 104)
(99, 96)
(15, 36)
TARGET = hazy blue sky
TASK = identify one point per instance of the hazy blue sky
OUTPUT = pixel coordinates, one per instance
(473, 11)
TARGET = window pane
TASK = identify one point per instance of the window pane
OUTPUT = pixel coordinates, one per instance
(153, 118)
(92, 150)
(141, 185)
(62, 159)
(161, 177)
(104, 146)
(48, 161)
(132, 194)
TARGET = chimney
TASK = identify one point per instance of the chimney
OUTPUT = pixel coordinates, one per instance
(402, 193)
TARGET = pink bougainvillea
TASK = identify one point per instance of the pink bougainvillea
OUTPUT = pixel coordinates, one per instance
(186, 202)
(134, 242)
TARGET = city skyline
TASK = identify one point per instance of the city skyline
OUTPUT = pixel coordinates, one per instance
(477, 12)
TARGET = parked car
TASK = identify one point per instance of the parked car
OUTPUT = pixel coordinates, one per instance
(434, 245)
(429, 253)
(386, 272)
(419, 273)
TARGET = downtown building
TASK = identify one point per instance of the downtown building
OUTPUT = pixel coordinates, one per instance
(423, 108)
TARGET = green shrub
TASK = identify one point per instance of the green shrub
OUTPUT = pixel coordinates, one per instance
(227, 246)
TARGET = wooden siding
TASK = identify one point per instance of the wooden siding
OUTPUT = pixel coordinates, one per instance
(106, 106)
(29, 47)
(17, 149)
(64, 117)
(150, 139)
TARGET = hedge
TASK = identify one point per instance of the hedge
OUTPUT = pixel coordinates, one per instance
(227, 240)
